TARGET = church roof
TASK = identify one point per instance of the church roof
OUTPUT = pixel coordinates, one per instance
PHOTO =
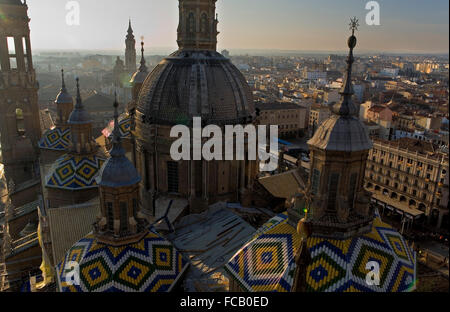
(75, 172)
(190, 84)
(343, 131)
(124, 127)
(118, 170)
(267, 262)
(150, 265)
(344, 134)
(63, 96)
(142, 73)
(57, 139)
(79, 115)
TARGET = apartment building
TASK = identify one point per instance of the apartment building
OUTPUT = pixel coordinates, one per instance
(290, 117)
(411, 177)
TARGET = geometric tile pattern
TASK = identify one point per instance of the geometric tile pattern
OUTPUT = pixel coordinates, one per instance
(74, 172)
(124, 127)
(56, 139)
(150, 265)
(267, 262)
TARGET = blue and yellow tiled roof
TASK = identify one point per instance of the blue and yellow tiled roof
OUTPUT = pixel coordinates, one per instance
(124, 127)
(56, 139)
(267, 264)
(75, 172)
(150, 265)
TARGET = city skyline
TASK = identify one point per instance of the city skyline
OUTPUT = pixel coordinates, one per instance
(406, 26)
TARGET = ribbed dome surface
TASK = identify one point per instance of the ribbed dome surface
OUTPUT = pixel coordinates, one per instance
(63, 98)
(195, 83)
(343, 134)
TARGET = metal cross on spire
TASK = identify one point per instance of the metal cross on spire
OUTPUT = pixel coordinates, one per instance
(354, 24)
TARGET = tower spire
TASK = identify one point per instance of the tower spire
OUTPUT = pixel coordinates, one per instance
(346, 107)
(130, 29)
(79, 103)
(143, 67)
(63, 83)
(117, 149)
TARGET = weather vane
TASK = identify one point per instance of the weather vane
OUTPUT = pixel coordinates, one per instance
(354, 23)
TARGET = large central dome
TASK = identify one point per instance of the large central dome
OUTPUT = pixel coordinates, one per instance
(195, 80)
(195, 83)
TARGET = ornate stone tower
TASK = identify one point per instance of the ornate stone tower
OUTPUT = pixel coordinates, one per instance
(64, 104)
(130, 51)
(339, 205)
(55, 142)
(19, 118)
(120, 221)
(197, 29)
(72, 178)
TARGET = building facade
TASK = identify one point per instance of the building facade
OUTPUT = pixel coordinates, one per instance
(19, 121)
(410, 174)
(289, 117)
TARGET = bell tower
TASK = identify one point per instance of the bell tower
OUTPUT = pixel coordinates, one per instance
(336, 204)
(197, 29)
(19, 118)
(130, 51)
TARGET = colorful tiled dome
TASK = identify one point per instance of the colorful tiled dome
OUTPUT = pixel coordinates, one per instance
(124, 127)
(267, 262)
(75, 172)
(149, 265)
(56, 139)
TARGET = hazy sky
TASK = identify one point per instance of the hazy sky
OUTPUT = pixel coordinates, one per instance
(406, 25)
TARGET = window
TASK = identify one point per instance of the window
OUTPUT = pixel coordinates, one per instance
(135, 208)
(123, 217)
(191, 23)
(12, 52)
(405, 189)
(172, 176)
(20, 125)
(332, 191)
(24, 45)
(414, 192)
(315, 181)
(352, 189)
(146, 170)
(204, 23)
(110, 215)
(429, 167)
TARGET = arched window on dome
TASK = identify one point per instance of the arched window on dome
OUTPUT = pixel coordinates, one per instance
(204, 23)
(123, 217)
(20, 123)
(110, 214)
(333, 184)
(352, 189)
(191, 23)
